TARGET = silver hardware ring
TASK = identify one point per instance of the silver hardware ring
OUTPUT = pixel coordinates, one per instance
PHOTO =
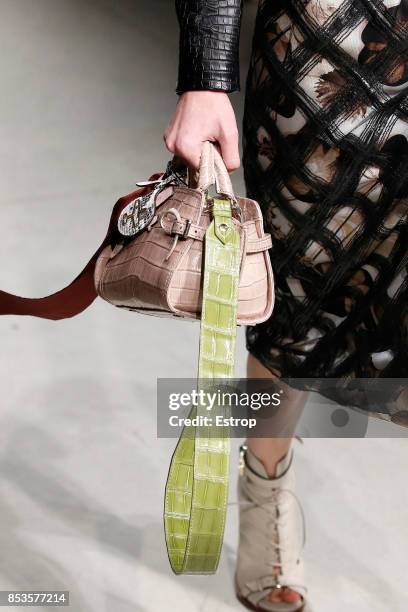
(172, 211)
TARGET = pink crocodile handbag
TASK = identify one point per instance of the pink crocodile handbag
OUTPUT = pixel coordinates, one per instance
(159, 271)
(151, 258)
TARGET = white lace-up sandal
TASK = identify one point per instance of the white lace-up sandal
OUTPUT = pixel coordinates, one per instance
(271, 536)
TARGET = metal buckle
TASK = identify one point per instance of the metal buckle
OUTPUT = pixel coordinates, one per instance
(174, 212)
(177, 219)
(234, 206)
(186, 229)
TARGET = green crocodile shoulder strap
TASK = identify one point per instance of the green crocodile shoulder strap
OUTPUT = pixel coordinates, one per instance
(197, 483)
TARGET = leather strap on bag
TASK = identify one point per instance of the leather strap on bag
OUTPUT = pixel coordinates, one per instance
(197, 484)
(79, 294)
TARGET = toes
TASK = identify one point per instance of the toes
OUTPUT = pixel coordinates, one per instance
(285, 595)
(290, 596)
(275, 596)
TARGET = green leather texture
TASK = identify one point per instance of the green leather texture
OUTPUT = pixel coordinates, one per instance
(197, 483)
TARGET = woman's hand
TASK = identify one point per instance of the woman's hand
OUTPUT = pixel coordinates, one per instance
(201, 116)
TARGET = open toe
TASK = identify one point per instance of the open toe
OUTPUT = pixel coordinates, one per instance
(270, 573)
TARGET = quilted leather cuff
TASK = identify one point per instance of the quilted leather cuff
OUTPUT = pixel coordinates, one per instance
(209, 45)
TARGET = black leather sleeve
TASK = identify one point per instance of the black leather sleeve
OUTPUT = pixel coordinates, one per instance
(209, 44)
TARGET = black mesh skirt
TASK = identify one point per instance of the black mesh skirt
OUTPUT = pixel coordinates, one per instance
(326, 155)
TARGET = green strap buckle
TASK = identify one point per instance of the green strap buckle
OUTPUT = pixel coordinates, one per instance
(197, 484)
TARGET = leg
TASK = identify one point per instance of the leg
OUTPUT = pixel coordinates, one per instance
(270, 451)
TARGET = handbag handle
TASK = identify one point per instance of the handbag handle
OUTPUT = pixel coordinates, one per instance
(212, 171)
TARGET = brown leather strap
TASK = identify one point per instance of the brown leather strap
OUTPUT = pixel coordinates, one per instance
(79, 294)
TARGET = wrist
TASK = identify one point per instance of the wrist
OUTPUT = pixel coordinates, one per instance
(189, 93)
(226, 86)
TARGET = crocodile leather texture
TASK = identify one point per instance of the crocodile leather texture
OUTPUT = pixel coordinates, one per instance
(197, 485)
(220, 294)
(209, 44)
(160, 271)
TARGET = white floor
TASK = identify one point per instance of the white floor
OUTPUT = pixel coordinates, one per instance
(87, 87)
